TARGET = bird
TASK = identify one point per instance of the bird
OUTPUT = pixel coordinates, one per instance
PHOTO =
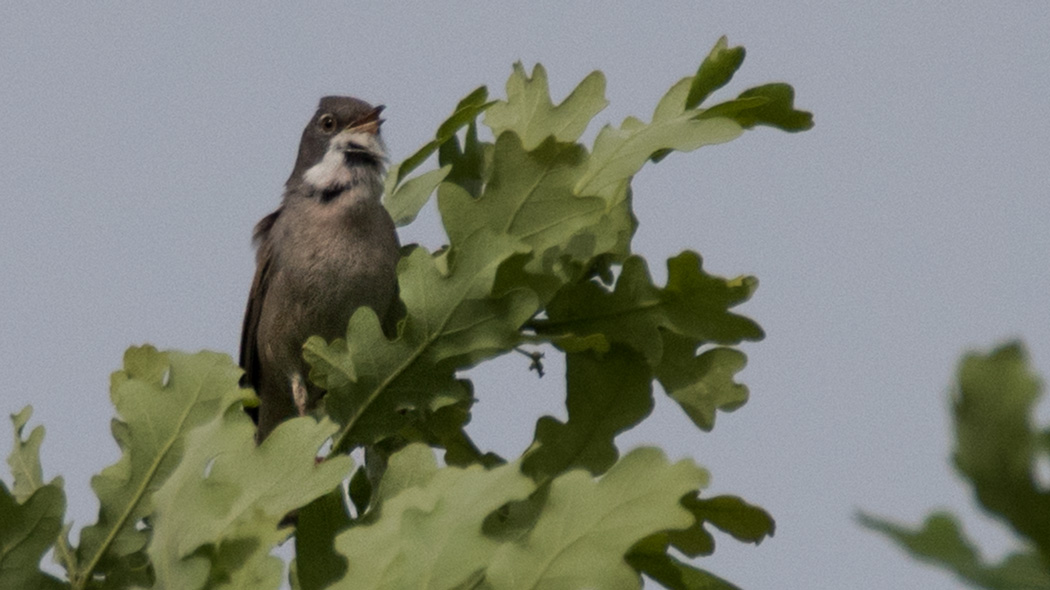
(328, 249)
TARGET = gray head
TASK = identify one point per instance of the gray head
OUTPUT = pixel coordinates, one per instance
(342, 135)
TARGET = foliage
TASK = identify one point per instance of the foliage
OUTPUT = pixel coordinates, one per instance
(539, 229)
(996, 450)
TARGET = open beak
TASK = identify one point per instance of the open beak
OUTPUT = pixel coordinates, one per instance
(369, 123)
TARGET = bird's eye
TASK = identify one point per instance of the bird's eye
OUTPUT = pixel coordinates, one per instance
(326, 123)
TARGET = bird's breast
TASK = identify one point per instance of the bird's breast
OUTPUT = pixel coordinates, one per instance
(332, 261)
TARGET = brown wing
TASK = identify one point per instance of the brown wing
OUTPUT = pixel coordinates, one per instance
(249, 356)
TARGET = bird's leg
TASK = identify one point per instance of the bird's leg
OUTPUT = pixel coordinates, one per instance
(299, 395)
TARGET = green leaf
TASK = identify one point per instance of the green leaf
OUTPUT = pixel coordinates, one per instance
(529, 112)
(529, 197)
(411, 467)
(715, 72)
(745, 522)
(996, 445)
(996, 450)
(445, 428)
(403, 199)
(605, 396)
(701, 384)
(406, 201)
(429, 535)
(466, 112)
(25, 457)
(571, 343)
(940, 541)
(375, 386)
(587, 526)
(771, 104)
(674, 574)
(217, 515)
(693, 304)
(30, 514)
(619, 153)
(527, 193)
(27, 530)
(470, 164)
(160, 396)
(317, 562)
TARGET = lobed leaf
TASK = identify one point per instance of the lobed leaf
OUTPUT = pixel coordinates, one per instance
(770, 104)
(429, 535)
(470, 163)
(715, 71)
(28, 528)
(586, 526)
(218, 513)
(701, 384)
(25, 457)
(317, 562)
(619, 153)
(410, 196)
(693, 304)
(673, 574)
(996, 445)
(745, 522)
(31, 513)
(530, 113)
(605, 396)
(940, 541)
(445, 428)
(403, 199)
(377, 387)
(161, 397)
(529, 197)
(996, 450)
(465, 113)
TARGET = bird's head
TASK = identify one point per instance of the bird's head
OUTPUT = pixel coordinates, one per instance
(340, 141)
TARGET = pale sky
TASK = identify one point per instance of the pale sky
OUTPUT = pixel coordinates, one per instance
(139, 144)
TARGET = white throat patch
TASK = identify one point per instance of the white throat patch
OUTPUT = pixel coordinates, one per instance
(332, 171)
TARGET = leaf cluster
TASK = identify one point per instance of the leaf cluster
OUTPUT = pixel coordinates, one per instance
(997, 448)
(539, 255)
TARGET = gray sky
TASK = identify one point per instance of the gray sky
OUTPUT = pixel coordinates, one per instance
(141, 143)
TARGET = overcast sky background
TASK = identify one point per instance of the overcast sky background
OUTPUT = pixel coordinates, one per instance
(140, 142)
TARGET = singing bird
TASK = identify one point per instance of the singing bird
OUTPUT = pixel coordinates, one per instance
(329, 249)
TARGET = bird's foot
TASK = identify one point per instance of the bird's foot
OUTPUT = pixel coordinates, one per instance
(299, 395)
